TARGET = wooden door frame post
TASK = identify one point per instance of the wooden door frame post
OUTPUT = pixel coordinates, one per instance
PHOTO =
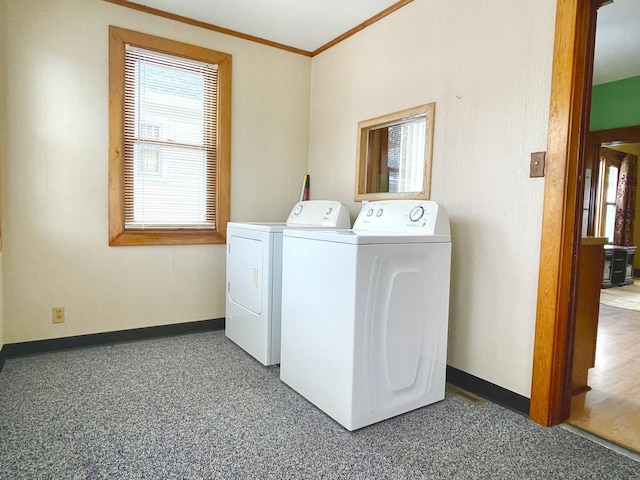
(568, 116)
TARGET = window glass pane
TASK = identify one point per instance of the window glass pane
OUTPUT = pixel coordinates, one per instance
(149, 162)
(609, 221)
(175, 196)
(612, 183)
(170, 102)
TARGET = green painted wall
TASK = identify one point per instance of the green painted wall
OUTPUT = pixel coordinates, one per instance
(615, 104)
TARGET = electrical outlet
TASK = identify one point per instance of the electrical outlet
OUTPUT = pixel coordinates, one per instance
(57, 314)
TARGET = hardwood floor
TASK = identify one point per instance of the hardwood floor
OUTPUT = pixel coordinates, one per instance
(611, 409)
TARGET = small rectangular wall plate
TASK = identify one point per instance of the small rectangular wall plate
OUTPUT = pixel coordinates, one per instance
(536, 168)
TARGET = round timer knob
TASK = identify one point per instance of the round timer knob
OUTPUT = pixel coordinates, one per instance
(416, 214)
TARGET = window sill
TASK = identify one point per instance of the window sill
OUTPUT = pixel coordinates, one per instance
(167, 237)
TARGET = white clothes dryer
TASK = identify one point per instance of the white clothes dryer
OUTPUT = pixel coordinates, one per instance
(254, 275)
(365, 312)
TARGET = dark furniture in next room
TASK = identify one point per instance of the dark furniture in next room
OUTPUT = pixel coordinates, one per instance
(618, 265)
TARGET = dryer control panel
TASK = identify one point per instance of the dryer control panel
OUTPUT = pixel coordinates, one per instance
(319, 213)
(403, 216)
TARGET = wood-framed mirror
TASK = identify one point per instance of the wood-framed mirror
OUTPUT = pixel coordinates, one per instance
(394, 155)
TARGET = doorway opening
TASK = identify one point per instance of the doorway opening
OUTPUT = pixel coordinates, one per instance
(551, 391)
(609, 405)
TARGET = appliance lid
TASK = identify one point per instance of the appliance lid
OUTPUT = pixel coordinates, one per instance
(273, 227)
(354, 237)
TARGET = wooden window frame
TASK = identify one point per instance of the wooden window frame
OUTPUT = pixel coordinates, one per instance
(606, 159)
(118, 234)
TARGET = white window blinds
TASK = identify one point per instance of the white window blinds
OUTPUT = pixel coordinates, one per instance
(169, 141)
(406, 155)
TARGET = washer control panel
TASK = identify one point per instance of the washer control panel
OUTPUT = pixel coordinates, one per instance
(403, 216)
(320, 213)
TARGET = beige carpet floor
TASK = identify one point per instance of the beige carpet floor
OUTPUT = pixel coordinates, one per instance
(627, 297)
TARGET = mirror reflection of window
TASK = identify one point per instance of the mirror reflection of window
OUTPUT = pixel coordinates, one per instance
(407, 155)
(394, 156)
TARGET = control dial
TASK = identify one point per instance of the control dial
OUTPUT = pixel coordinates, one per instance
(297, 210)
(416, 214)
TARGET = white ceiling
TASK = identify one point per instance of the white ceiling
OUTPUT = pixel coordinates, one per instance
(303, 24)
(617, 52)
(310, 24)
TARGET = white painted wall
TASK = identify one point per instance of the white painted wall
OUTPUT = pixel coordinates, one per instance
(3, 70)
(487, 65)
(55, 183)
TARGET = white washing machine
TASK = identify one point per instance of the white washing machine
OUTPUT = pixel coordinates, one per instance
(254, 275)
(365, 312)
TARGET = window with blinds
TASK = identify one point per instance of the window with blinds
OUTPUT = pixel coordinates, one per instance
(169, 121)
(169, 141)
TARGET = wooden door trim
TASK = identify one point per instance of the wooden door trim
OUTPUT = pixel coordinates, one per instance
(553, 348)
(622, 134)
